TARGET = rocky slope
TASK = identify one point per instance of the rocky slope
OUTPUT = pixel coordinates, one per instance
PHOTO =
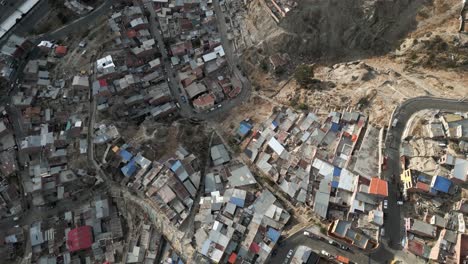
(368, 54)
(334, 28)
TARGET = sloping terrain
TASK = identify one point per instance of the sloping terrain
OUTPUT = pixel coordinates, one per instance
(368, 54)
(334, 28)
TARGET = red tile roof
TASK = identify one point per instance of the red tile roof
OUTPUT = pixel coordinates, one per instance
(103, 83)
(232, 258)
(79, 238)
(254, 247)
(378, 187)
(423, 186)
(415, 247)
(62, 50)
(131, 33)
(204, 100)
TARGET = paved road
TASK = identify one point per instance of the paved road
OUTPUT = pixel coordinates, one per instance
(185, 108)
(393, 223)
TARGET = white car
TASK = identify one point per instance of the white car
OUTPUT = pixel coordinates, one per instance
(290, 253)
(306, 233)
(385, 204)
(325, 253)
(399, 202)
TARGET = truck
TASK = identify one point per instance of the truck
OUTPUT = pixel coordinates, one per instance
(341, 259)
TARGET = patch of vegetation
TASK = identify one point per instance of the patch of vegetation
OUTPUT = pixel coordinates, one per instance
(304, 74)
(323, 230)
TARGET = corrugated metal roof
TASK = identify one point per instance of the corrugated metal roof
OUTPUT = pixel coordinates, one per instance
(441, 184)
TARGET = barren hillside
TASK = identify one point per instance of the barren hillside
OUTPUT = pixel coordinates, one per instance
(368, 54)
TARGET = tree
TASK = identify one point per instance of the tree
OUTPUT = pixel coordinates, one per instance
(304, 74)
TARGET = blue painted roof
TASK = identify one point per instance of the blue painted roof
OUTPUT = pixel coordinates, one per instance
(237, 201)
(273, 234)
(336, 171)
(244, 128)
(126, 156)
(334, 184)
(442, 184)
(176, 166)
(129, 169)
(335, 127)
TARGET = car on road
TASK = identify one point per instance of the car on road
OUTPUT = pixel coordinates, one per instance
(333, 243)
(385, 204)
(184, 100)
(3, 2)
(399, 202)
(343, 247)
(290, 253)
(306, 233)
(325, 253)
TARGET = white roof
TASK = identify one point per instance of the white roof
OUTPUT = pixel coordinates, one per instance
(46, 43)
(325, 168)
(104, 63)
(80, 80)
(154, 63)
(460, 171)
(347, 180)
(213, 55)
(276, 146)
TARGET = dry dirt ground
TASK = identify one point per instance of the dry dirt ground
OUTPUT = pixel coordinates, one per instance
(431, 59)
(257, 109)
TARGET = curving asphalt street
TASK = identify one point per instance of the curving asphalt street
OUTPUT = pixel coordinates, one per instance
(394, 222)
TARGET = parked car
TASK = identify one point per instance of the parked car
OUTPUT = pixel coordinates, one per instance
(334, 243)
(306, 233)
(325, 253)
(400, 202)
(290, 253)
(385, 204)
(184, 100)
(343, 247)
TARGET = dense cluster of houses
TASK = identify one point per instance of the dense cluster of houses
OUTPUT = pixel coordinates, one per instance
(439, 233)
(131, 78)
(196, 52)
(91, 232)
(171, 184)
(331, 166)
(235, 221)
